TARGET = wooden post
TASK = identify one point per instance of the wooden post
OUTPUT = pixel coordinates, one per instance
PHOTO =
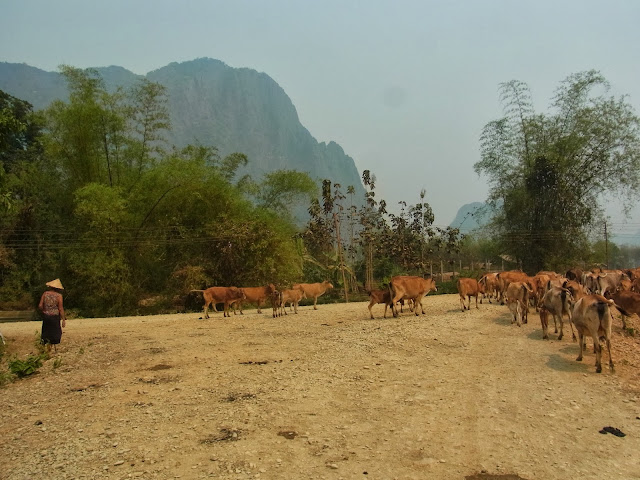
(340, 259)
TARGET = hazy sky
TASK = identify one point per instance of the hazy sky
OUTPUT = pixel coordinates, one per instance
(405, 87)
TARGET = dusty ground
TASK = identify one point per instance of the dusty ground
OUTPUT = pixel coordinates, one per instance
(322, 394)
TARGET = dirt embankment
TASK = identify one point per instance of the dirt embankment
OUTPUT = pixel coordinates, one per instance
(322, 394)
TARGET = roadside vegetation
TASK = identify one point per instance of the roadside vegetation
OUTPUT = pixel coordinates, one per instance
(91, 192)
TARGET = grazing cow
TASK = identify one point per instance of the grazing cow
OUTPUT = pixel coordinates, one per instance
(291, 296)
(225, 295)
(412, 288)
(276, 302)
(467, 288)
(592, 317)
(313, 290)
(517, 299)
(257, 295)
(557, 301)
(489, 283)
(627, 302)
(635, 286)
(379, 296)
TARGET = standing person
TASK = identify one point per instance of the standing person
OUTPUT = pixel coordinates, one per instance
(52, 310)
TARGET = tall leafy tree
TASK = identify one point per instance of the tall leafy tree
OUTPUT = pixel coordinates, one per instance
(548, 172)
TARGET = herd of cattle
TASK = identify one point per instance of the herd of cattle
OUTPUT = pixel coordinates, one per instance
(585, 298)
(235, 297)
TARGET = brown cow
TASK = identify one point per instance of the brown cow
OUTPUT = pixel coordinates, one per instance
(551, 273)
(467, 288)
(257, 295)
(379, 296)
(291, 296)
(592, 317)
(539, 284)
(505, 278)
(633, 273)
(574, 274)
(412, 288)
(489, 283)
(313, 290)
(627, 302)
(517, 299)
(625, 284)
(276, 303)
(577, 291)
(226, 295)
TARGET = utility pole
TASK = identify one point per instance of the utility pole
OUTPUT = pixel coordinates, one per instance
(606, 245)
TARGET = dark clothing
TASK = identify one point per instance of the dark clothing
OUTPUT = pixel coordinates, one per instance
(51, 329)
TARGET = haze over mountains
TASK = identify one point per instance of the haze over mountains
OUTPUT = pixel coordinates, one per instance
(233, 109)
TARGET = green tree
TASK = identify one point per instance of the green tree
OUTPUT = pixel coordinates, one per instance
(102, 137)
(547, 172)
(282, 190)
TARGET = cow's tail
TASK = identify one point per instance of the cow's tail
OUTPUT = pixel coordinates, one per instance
(601, 308)
(620, 309)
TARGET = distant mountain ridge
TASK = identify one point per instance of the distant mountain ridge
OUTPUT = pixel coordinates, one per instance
(233, 109)
(471, 216)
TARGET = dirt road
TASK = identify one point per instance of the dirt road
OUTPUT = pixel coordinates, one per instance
(322, 394)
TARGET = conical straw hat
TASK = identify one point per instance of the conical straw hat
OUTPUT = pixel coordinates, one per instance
(55, 284)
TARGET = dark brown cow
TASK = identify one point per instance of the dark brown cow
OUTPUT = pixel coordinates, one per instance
(467, 288)
(627, 302)
(633, 273)
(592, 318)
(411, 288)
(277, 303)
(379, 296)
(574, 274)
(313, 290)
(257, 295)
(225, 295)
